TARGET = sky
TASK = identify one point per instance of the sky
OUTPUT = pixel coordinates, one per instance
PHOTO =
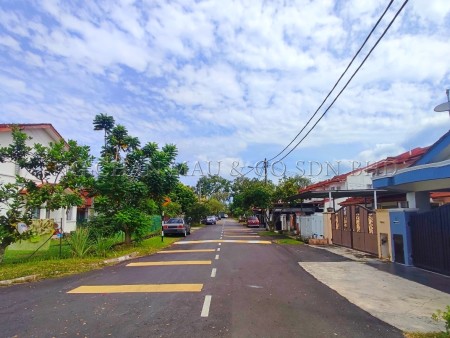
(230, 82)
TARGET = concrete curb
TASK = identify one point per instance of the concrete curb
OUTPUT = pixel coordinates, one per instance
(122, 258)
(30, 278)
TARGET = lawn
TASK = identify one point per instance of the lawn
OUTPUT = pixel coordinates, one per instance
(48, 264)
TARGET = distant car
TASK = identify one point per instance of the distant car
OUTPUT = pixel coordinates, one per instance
(225, 216)
(211, 220)
(253, 221)
(177, 226)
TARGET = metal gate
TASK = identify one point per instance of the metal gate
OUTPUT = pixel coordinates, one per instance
(430, 239)
(354, 227)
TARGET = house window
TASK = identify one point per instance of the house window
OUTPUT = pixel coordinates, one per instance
(16, 169)
(47, 213)
(36, 213)
(69, 214)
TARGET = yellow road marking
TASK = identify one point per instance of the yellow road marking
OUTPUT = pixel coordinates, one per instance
(182, 251)
(246, 236)
(224, 241)
(170, 263)
(138, 288)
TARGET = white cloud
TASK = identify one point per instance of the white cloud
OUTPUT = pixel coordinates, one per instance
(227, 79)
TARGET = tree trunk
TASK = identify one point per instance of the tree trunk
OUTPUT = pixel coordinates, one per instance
(2, 251)
(127, 237)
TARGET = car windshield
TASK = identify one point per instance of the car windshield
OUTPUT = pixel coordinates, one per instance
(174, 220)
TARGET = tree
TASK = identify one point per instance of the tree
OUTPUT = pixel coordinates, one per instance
(214, 186)
(183, 195)
(57, 172)
(249, 194)
(289, 186)
(214, 206)
(131, 181)
(104, 122)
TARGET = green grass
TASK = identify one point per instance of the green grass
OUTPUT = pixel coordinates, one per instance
(426, 335)
(47, 264)
(269, 233)
(289, 241)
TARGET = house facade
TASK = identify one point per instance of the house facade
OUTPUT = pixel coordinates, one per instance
(42, 133)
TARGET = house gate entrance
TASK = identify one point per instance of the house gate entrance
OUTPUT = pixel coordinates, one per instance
(354, 227)
(430, 239)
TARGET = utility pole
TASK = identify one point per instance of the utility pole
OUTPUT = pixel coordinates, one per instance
(265, 171)
(265, 183)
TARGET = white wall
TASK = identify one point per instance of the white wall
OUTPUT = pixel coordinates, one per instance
(312, 225)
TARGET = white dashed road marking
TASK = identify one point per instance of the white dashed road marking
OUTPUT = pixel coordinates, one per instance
(206, 305)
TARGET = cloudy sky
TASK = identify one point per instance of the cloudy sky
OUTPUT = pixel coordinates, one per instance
(229, 81)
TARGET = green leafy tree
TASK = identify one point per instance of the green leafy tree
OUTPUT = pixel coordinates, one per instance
(104, 122)
(197, 211)
(131, 181)
(289, 186)
(214, 186)
(214, 206)
(56, 172)
(183, 195)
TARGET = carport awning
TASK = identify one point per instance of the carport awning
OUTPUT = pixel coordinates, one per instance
(341, 194)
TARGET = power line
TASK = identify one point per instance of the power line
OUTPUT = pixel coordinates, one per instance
(353, 75)
(337, 82)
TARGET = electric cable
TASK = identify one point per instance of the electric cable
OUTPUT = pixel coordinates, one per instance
(337, 82)
(345, 86)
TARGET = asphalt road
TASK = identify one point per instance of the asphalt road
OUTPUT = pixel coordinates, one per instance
(217, 288)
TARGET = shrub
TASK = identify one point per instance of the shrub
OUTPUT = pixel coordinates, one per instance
(445, 316)
(80, 244)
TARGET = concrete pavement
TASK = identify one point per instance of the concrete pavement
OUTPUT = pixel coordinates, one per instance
(392, 297)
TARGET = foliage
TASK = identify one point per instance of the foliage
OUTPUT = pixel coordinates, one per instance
(47, 264)
(214, 186)
(55, 175)
(132, 183)
(198, 211)
(445, 316)
(104, 245)
(183, 195)
(80, 243)
(172, 209)
(289, 186)
(214, 206)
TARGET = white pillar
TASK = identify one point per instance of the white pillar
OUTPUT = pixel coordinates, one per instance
(419, 200)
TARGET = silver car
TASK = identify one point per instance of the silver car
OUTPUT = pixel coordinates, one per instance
(177, 226)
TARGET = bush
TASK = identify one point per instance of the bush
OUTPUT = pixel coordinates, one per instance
(445, 316)
(80, 244)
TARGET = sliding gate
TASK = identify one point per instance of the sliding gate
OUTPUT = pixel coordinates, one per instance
(355, 227)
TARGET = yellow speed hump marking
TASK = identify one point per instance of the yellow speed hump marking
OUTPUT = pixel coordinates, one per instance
(138, 288)
(224, 241)
(169, 263)
(186, 251)
(242, 236)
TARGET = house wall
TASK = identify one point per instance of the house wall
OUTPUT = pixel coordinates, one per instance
(8, 175)
(312, 226)
(328, 233)
(384, 227)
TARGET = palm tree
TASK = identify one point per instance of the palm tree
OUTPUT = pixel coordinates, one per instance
(104, 122)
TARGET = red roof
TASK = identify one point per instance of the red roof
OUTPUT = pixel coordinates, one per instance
(407, 158)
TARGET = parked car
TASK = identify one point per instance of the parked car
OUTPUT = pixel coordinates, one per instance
(177, 226)
(253, 221)
(211, 220)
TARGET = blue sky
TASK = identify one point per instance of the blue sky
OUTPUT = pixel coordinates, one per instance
(229, 81)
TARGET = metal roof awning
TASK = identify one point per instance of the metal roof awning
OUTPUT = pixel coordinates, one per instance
(341, 194)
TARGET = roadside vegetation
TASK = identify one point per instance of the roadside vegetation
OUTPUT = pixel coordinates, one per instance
(49, 263)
